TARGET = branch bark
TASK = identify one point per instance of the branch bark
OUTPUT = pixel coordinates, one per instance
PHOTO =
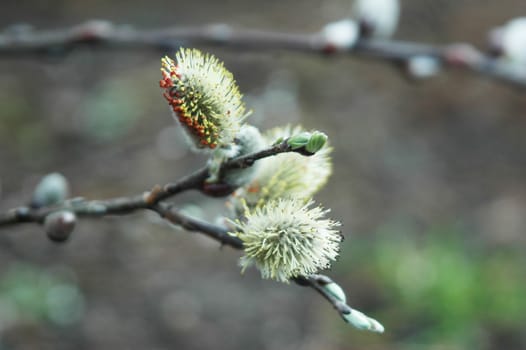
(23, 41)
(153, 200)
(147, 200)
(215, 232)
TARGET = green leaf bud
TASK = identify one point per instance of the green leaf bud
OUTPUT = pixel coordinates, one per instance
(299, 140)
(316, 142)
(286, 175)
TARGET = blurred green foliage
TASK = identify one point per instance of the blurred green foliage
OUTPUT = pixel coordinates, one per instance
(112, 109)
(19, 128)
(437, 287)
(29, 294)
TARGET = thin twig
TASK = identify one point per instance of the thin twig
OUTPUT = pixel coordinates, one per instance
(22, 40)
(317, 282)
(152, 200)
(147, 200)
(215, 232)
(220, 234)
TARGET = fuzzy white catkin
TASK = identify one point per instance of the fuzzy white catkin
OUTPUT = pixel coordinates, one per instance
(514, 40)
(422, 67)
(248, 140)
(341, 34)
(381, 15)
(204, 98)
(288, 238)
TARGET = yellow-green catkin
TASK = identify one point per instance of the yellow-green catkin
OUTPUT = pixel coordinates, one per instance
(287, 238)
(204, 97)
(286, 175)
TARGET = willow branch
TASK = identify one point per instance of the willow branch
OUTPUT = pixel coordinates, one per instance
(147, 200)
(152, 201)
(317, 282)
(218, 233)
(23, 40)
(221, 234)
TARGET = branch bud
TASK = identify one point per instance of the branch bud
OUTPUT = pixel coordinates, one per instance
(52, 189)
(422, 67)
(336, 291)
(299, 140)
(307, 143)
(378, 18)
(509, 40)
(340, 35)
(59, 225)
(363, 322)
(316, 142)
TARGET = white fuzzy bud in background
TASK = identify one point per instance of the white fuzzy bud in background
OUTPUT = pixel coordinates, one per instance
(509, 41)
(340, 35)
(60, 225)
(422, 67)
(377, 18)
(52, 189)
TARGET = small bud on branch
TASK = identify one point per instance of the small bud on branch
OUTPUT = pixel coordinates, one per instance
(60, 225)
(52, 189)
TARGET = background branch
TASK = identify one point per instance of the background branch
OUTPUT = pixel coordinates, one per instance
(23, 40)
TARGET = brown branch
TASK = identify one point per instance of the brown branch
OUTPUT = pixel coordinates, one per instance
(106, 35)
(215, 232)
(220, 234)
(153, 201)
(148, 200)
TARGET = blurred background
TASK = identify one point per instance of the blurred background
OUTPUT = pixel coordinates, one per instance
(429, 182)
